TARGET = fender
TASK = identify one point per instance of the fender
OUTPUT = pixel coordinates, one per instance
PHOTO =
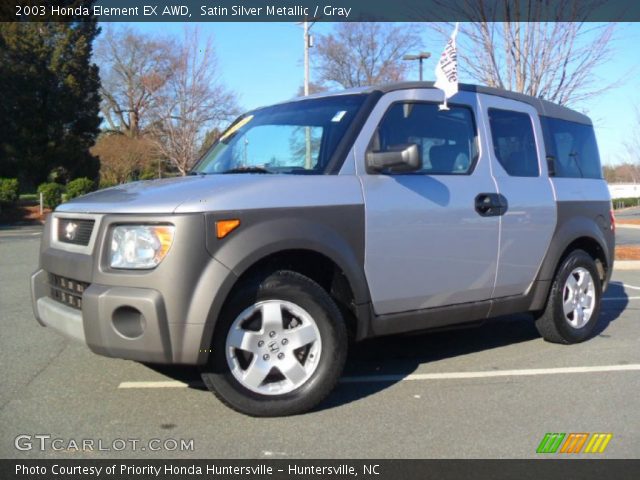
(337, 232)
(576, 220)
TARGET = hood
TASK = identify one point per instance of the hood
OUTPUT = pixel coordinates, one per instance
(200, 193)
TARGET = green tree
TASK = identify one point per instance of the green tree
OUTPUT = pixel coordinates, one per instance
(50, 102)
(210, 138)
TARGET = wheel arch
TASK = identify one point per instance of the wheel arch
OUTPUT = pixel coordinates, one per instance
(579, 233)
(315, 249)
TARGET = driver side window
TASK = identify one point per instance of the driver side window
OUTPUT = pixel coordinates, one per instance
(446, 139)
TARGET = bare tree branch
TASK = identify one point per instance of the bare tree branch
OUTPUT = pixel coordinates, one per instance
(359, 54)
(551, 60)
(193, 102)
(134, 68)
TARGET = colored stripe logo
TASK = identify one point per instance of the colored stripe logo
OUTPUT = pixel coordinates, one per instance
(550, 443)
(598, 443)
(574, 443)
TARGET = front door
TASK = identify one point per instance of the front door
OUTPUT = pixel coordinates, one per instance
(427, 245)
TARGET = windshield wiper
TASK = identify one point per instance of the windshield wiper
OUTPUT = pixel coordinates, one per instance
(248, 170)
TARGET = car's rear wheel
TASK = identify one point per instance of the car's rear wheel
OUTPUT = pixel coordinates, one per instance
(573, 306)
(279, 347)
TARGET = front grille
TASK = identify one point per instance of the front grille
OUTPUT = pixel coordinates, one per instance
(67, 291)
(75, 230)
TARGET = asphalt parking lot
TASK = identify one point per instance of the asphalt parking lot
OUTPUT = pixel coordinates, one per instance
(489, 392)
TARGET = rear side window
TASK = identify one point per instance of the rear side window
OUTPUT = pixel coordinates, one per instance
(514, 143)
(446, 138)
(572, 148)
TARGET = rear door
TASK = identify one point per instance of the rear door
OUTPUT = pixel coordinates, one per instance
(426, 244)
(519, 167)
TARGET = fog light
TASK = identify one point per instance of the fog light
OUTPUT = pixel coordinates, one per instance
(128, 322)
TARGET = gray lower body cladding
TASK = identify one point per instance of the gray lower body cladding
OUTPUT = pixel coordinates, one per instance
(581, 220)
(168, 314)
(154, 315)
(335, 232)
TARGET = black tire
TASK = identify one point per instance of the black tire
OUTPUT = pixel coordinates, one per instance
(291, 287)
(552, 324)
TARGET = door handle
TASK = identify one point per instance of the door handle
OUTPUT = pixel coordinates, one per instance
(491, 204)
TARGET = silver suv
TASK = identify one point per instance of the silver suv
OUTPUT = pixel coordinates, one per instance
(336, 217)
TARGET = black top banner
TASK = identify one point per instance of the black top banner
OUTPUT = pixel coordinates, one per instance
(319, 10)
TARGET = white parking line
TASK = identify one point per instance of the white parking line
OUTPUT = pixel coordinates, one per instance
(163, 384)
(433, 376)
(425, 376)
(489, 374)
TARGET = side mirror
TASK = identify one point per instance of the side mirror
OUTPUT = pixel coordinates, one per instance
(396, 159)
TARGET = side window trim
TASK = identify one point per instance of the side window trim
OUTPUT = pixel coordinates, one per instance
(533, 132)
(557, 168)
(549, 146)
(473, 162)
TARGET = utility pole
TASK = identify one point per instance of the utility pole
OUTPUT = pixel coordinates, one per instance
(420, 57)
(305, 29)
(308, 43)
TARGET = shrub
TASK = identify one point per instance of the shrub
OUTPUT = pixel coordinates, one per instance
(78, 187)
(9, 190)
(52, 194)
(625, 202)
(29, 197)
(148, 175)
(107, 184)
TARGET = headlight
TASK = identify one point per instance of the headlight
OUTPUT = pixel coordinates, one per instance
(140, 246)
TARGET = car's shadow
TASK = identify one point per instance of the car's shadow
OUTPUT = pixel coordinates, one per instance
(400, 355)
(615, 301)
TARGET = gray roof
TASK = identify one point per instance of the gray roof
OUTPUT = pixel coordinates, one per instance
(543, 107)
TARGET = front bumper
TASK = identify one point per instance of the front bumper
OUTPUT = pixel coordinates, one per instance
(158, 316)
(119, 322)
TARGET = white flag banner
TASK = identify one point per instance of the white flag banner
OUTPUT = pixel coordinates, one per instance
(447, 70)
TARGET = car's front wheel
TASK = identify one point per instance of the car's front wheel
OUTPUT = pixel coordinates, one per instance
(279, 347)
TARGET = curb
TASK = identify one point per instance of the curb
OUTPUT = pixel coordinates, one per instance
(626, 265)
(21, 224)
(627, 225)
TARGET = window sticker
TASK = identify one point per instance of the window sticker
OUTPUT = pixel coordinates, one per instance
(338, 116)
(236, 127)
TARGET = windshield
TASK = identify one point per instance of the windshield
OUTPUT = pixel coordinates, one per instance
(296, 137)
